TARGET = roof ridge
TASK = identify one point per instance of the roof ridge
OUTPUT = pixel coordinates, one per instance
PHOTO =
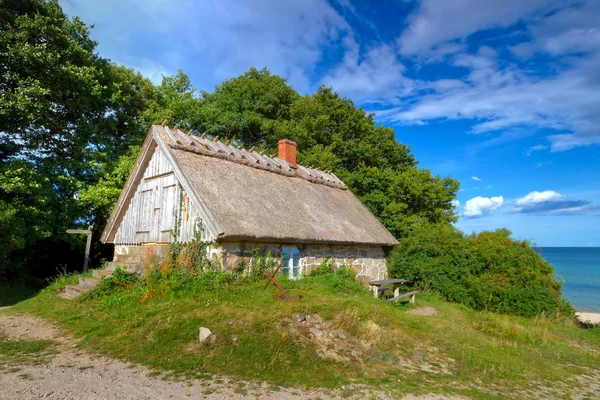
(177, 139)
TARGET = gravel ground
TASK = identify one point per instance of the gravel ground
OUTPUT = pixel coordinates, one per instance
(73, 373)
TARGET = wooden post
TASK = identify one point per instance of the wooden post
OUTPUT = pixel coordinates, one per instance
(88, 243)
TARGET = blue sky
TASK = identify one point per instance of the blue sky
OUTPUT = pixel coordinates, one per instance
(504, 96)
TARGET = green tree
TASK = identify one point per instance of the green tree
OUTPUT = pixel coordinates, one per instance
(65, 112)
(26, 214)
(248, 108)
(258, 108)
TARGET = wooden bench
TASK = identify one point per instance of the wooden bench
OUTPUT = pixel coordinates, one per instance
(376, 286)
(405, 295)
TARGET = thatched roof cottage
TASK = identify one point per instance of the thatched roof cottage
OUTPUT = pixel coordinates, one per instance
(184, 187)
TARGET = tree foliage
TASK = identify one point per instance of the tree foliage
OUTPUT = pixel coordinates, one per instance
(258, 108)
(67, 115)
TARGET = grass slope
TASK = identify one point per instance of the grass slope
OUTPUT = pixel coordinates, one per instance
(388, 349)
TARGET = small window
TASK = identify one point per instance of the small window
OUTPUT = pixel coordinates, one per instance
(291, 263)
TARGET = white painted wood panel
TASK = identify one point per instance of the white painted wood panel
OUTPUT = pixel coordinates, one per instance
(160, 210)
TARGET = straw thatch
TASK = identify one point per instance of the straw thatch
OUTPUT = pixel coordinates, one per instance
(257, 198)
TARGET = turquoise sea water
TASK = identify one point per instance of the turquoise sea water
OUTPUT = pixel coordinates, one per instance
(580, 269)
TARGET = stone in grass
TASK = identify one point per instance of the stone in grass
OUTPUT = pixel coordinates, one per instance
(206, 336)
(314, 332)
(338, 334)
(300, 318)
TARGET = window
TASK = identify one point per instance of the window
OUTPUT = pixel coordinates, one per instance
(291, 263)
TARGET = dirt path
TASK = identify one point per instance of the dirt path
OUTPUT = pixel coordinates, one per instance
(73, 373)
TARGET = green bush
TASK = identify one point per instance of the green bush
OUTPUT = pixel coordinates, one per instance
(485, 271)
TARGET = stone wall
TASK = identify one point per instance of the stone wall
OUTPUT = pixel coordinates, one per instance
(368, 262)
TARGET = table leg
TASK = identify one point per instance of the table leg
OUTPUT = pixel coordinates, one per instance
(376, 291)
(396, 291)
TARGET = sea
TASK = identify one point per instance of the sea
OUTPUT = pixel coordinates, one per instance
(579, 269)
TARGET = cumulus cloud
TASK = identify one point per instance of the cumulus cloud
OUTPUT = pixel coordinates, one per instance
(499, 98)
(376, 76)
(550, 201)
(429, 26)
(476, 179)
(213, 41)
(480, 206)
(216, 40)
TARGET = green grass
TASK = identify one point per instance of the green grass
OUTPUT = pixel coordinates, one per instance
(455, 351)
(11, 294)
(16, 353)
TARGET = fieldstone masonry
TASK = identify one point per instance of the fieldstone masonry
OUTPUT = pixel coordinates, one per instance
(368, 262)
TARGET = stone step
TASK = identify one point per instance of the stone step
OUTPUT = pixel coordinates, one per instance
(92, 282)
(148, 259)
(77, 290)
(66, 295)
(101, 273)
(159, 250)
(131, 268)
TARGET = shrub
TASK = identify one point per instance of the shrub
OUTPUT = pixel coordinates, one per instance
(485, 271)
(325, 268)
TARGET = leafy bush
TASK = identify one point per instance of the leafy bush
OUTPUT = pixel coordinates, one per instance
(485, 271)
(325, 268)
(118, 281)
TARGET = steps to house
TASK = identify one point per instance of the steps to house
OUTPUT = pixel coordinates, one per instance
(129, 267)
(87, 284)
(131, 259)
(102, 273)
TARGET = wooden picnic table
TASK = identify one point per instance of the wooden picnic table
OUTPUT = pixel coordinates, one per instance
(376, 286)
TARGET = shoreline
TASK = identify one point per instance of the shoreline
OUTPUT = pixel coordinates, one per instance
(588, 317)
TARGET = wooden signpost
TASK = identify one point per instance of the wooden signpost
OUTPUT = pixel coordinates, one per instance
(88, 243)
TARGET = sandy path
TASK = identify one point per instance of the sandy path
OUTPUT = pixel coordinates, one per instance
(73, 373)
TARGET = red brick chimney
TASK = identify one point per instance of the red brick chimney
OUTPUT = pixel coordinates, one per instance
(287, 151)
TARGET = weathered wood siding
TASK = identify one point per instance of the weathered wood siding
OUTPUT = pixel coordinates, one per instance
(161, 211)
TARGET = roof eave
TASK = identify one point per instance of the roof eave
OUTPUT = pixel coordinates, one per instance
(289, 240)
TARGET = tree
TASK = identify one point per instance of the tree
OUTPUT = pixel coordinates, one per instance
(248, 108)
(66, 114)
(257, 109)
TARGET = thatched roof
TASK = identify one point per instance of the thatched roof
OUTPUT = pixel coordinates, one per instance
(253, 197)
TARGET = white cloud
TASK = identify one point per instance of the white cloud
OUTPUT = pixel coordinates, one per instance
(501, 98)
(455, 203)
(436, 23)
(476, 179)
(217, 40)
(378, 75)
(552, 202)
(479, 206)
(538, 147)
(538, 197)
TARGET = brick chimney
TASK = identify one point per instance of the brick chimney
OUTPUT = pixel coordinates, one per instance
(287, 151)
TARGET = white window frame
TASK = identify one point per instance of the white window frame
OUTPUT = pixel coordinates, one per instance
(288, 269)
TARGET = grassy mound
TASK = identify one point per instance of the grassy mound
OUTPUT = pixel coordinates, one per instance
(349, 337)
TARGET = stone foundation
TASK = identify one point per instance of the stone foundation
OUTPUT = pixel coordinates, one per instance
(368, 262)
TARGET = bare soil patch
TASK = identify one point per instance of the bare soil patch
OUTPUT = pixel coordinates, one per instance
(425, 311)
